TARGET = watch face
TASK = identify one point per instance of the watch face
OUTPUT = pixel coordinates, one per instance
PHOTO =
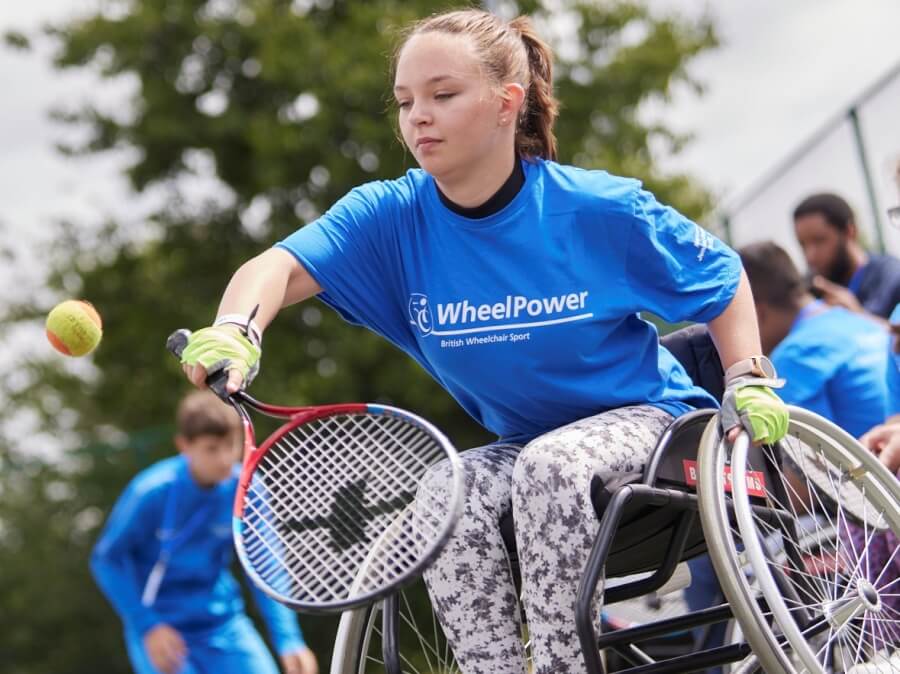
(765, 367)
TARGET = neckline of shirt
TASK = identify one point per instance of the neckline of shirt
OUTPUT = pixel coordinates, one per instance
(496, 202)
(499, 216)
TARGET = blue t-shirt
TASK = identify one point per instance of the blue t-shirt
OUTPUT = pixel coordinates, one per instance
(528, 317)
(834, 363)
(893, 370)
(198, 592)
(877, 284)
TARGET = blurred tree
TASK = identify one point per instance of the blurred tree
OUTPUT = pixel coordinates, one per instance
(246, 119)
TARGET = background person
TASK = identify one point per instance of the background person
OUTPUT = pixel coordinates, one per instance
(845, 274)
(164, 555)
(833, 360)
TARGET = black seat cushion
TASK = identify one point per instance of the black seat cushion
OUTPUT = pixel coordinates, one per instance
(694, 349)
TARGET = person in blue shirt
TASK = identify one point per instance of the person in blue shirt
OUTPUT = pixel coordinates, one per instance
(843, 272)
(834, 361)
(884, 439)
(164, 555)
(517, 283)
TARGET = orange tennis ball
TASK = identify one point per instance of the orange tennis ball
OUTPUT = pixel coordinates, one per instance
(74, 327)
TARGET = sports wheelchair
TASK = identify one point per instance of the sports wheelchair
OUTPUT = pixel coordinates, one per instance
(775, 520)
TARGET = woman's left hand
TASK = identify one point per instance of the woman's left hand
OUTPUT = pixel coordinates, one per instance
(750, 403)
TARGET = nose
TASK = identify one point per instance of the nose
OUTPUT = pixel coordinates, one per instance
(420, 114)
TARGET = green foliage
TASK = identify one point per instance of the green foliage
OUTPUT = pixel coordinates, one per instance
(288, 101)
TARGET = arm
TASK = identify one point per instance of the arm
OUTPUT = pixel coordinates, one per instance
(271, 280)
(113, 567)
(280, 621)
(735, 332)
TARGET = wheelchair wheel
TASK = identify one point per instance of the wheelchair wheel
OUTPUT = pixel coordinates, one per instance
(828, 607)
(422, 645)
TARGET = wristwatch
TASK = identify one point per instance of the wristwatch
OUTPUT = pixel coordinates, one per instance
(754, 366)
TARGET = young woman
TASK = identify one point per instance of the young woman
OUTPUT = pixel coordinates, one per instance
(516, 283)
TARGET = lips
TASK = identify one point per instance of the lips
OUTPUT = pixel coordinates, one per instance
(426, 142)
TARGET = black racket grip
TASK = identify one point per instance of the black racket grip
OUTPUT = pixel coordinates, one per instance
(216, 381)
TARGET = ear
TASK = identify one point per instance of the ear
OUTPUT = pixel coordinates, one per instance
(852, 231)
(181, 444)
(512, 98)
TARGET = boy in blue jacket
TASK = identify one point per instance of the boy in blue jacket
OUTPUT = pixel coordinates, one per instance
(164, 555)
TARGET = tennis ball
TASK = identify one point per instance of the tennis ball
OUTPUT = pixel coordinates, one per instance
(74, 327)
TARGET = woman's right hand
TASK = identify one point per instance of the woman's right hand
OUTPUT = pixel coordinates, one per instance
(166, 648)
(222, 347)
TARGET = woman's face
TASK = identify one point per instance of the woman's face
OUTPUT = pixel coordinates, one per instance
(450, 117)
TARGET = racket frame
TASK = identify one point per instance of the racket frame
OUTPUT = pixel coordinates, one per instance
(297, 416)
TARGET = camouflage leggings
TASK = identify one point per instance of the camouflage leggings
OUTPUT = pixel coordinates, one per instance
(547, 486)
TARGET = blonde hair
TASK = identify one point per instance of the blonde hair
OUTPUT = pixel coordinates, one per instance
(202, 413)
(509, 52)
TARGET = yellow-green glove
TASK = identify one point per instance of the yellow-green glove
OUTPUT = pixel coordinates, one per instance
(750, 402)
(223, 347)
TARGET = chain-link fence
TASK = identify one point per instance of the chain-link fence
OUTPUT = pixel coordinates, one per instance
(855, 155)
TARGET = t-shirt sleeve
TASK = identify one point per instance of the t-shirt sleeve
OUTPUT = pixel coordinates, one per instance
(806, 370)
(677, 269)
(351, 252)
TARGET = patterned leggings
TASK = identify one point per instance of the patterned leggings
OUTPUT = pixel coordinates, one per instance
(547, 486)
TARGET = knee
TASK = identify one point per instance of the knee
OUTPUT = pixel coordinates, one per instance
(436, 483)
(537, 470)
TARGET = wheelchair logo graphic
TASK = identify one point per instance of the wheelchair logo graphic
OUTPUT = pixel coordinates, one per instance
(420, 313)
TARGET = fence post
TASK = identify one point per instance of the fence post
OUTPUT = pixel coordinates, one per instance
(853, 116)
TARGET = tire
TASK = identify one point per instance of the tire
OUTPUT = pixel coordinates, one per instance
(826, 612)
(422, 644)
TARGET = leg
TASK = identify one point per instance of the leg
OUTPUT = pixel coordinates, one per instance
(555, 520)
(234, 648)
(470, 584)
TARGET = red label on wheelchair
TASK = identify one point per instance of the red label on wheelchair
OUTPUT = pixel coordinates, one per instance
(756, 482)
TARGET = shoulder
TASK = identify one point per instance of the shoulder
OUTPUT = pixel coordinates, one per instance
(886, 266)
(381, 194)
(587, 188)
(839, 335)
(154, 481)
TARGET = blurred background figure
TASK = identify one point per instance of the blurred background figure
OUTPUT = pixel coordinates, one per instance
(833, 360)
(164, 556)
(884, 439)
(844, 273)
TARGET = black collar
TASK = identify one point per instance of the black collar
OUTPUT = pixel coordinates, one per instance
(497, 202)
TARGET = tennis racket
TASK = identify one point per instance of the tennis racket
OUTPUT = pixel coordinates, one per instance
(342, 504)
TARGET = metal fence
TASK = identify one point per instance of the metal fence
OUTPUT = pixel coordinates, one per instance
(855, 155)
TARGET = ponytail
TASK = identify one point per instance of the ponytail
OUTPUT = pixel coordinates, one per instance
(535, 137)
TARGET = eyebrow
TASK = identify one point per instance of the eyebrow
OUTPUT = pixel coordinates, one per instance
(430, 80)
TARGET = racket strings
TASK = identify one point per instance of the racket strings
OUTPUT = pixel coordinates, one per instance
(337, 507)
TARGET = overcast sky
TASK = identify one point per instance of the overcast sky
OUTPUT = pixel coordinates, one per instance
(785, 68)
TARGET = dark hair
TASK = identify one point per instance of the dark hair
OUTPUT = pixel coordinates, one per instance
(773, 276)
(833, 208)
(202, 413)
(509, 52)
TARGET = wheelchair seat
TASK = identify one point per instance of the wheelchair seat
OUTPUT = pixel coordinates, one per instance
(646, 533)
